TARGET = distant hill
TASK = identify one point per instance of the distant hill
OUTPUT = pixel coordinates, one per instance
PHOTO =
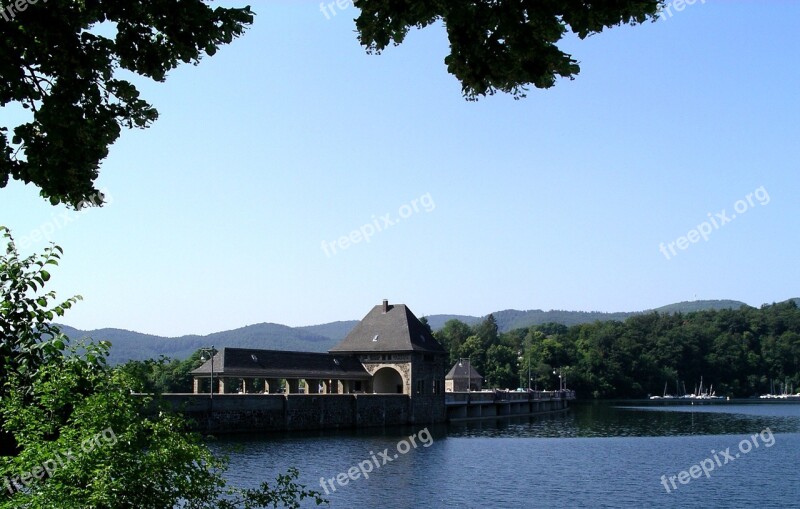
(333, 330)
(700, 305)
(511, 319)
(130, 345)
(437, 321)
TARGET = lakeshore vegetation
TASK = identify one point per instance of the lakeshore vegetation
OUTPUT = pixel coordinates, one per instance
(740, 352)
(73, 435)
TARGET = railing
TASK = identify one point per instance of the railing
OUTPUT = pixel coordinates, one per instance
(496, 396)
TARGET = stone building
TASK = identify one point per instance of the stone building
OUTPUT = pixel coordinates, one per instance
(253, 371)
(463, 377)
(402, 356)
(389, 352)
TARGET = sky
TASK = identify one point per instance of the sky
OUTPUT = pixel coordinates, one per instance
(293, 178)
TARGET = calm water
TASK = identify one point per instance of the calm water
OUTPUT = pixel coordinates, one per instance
(592, 456)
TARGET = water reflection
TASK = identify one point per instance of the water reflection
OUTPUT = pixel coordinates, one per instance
(594, 455)
(608, 420)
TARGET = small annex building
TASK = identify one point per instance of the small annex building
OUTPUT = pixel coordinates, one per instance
(463, 377)
(388, 352)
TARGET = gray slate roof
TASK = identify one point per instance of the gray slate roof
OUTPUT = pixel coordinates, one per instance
(463, 369)
(248, 362)
(395, 329)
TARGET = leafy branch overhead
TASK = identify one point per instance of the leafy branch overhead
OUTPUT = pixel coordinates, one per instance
(60, 61)
(57, 62)
(502, 45)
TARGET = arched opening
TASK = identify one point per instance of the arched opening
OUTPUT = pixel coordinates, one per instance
(387, 381)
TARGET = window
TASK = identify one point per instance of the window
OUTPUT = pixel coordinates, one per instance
(420, 386)
(437, 386)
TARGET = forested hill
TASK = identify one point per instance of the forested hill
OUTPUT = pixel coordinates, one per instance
(130, 345)
(739, 352)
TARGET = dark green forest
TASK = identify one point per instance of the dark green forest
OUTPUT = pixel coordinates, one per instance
(739, 352)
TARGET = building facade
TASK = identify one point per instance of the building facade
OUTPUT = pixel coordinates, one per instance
(389, 352)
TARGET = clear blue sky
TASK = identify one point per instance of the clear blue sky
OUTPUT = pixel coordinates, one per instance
(292, 136)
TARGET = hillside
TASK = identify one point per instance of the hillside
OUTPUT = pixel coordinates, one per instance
(700, 305)
(127, 345)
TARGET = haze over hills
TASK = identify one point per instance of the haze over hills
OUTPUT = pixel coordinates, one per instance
(130, 345)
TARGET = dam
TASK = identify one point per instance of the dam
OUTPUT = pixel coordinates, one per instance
(389, 370)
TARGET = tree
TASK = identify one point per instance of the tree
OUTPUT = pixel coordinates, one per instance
(473, 350)
(500, 45)
(452, 336)
(27, 336)
(162, 375)
(82, 439)
(57, 62)
(500, 363)
(487, 332)
(424, 322)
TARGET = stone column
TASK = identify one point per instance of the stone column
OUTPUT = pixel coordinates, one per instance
(196, 385)
(221, 383)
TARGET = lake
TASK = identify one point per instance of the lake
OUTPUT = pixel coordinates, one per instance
(594, 455)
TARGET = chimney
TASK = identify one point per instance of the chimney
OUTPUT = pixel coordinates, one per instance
(385, 305)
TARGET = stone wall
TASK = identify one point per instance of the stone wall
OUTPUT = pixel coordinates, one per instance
(427, 385)
(235, 413)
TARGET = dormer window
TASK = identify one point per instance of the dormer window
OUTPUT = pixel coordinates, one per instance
(375, 338)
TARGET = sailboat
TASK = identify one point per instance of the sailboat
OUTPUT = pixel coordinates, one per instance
(665, 395)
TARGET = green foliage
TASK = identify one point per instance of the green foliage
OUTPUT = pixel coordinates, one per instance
(163, 375)
(503, 46)
(501, 369)
(75, 437)
(60, 60)
(452, 336)
(738, 351)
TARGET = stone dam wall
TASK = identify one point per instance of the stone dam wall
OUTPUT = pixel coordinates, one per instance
(241, 413)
